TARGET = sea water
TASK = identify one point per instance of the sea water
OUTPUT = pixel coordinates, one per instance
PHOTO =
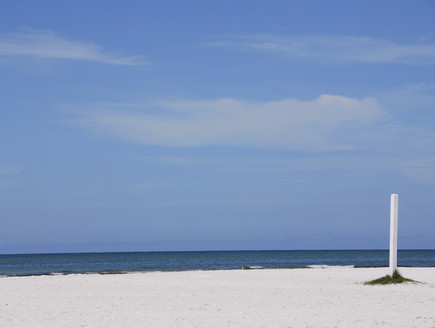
(106, 263)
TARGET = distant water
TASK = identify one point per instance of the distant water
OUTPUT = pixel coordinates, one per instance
(106, 263)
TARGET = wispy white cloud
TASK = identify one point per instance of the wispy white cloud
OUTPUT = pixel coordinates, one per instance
(10, 169)
(326, 123)
(179, 161)
(412, 98)
(48, 44)
(6, 169)
(334, 48)
(422, 170)
(153, 186)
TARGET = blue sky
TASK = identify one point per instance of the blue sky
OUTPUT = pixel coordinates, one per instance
(197, 125)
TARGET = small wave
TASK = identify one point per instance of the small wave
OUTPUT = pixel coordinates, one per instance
(291, 267)
(252, 267)
(111, 272)
(324, 266)
(63, 272)
(31, 274)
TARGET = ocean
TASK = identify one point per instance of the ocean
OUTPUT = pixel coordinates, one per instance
(124, 262)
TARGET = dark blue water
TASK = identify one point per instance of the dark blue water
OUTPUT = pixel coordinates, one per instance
(39, 264)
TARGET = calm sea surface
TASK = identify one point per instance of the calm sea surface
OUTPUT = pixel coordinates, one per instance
(105, 263)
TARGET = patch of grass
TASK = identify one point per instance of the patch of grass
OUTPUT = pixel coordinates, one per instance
(396, 278)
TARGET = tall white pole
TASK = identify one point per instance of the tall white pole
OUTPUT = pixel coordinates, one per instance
(394, 216)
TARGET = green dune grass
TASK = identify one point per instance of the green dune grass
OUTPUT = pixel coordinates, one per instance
(396, 278)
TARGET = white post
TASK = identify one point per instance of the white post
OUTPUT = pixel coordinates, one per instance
(394, 216)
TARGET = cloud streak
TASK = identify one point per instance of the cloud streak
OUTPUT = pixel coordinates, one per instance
(334, 48)
(48, 44)
(326, 123)
(10, 169)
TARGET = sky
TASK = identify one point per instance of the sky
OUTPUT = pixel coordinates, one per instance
(215, 125)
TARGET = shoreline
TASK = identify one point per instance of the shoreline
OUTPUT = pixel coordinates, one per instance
(244, 268)
(121, 262)
(332, 297)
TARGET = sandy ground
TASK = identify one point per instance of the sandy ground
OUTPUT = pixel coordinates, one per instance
(333, 297)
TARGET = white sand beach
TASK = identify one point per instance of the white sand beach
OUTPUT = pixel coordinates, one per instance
(333, 297)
